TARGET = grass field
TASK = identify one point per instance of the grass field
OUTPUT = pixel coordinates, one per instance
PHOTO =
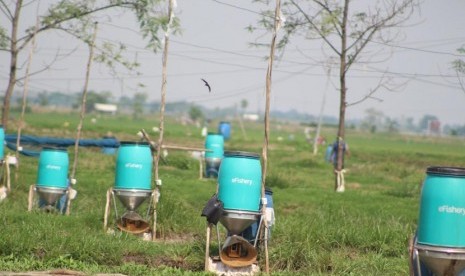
(363, 231)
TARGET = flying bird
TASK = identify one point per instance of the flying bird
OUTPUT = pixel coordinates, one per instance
(207, 85)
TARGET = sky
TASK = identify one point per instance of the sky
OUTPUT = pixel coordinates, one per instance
(215, 45)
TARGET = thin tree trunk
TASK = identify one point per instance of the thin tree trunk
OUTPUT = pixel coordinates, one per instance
(277, 25)
(24, 100)
(81, 118)
(162, 116)
(320, 117)
(13, 65)
(83, 102)
(342, 107)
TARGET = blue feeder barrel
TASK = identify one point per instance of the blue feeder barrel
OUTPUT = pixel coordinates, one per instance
(53, 168)
(251, 232)
(133, 166)
(215, 143)
(442, 208)
(2, 142)
(224, 128)
(239, 181)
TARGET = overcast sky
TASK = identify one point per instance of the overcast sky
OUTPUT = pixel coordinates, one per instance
(214, 45)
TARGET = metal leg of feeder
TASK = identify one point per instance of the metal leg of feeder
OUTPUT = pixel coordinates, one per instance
(201, 167)
(68, 202)
(7, 176)
(207, 247)
(114, 204)
(30, 198)
(107, 209)
(417, 262)
(219, 241)
(257, 235)
(147, 215)
(2, 173)
(411, 254)
(415, 256)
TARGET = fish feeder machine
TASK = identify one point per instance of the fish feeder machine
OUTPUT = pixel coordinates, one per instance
(4, 162)
(224, 128)
(132, 187)
(52, 184)
(214, 143)
(237, 207)
(438, 247)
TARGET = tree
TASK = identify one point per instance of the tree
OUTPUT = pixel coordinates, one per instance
(459, 67)
(373, 120)
(92, 98)
(244, 104)
(138, 104)
(124, 102)
(346, 34)
(43, 98)
(195, 113)
(392, 125)
(424, 122)
(75, 18)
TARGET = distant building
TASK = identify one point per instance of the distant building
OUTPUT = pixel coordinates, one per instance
(106, 108)
(434, 127)
(251, 117)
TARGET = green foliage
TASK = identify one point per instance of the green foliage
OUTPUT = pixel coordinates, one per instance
(458, 64)
(152, 20)
(138, 103)
(92, 98)
(180, 161)
(42, 97)
(195, 113)
(3, 38)
(78, 17)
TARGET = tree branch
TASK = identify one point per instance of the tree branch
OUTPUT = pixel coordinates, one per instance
(387, 84)
(47, 66)
(5, 10)
(54, 25)
(462, 86)
(320, 33)
(361, 42)
(325, 7)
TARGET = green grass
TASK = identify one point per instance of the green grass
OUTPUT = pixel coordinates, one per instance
(363, 231)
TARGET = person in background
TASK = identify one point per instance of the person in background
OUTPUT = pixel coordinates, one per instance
(345, 150)
(339, 172)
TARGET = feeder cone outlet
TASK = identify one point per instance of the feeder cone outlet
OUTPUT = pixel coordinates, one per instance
(237, 221)
(132, 222)
(442, 261)
(50, 195)
(132, 199)
(238, 252)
